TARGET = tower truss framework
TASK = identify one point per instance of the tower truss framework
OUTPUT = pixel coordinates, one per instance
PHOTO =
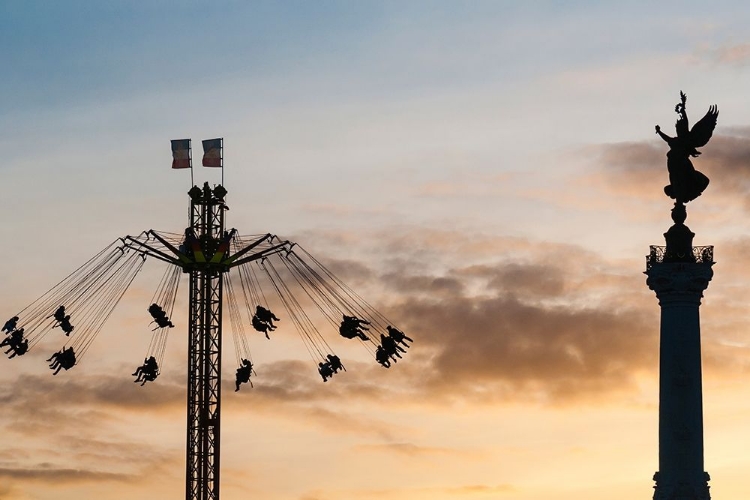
(204, 354)
(204, 254)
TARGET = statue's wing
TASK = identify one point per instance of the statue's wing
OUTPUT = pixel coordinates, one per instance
(703, 130)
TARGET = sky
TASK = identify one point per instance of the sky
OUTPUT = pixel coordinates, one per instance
(484, 173)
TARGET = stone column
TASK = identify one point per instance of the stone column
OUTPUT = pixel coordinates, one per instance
(679, 278)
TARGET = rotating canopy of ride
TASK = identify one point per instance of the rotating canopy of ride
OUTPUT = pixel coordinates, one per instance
(75, 310)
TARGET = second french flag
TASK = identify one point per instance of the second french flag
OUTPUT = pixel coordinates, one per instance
(212, 152)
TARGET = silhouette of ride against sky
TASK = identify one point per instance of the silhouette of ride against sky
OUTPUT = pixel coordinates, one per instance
(243, 374)
(18, 345)
(263, 320)
(223, 268)
(266, 316)
(10, 325)
(382, 357)
(391, 347)
(160, 317)
(148, 371)
(262, 326)
(18, 349)
(65, 358)
(62, 320)
(13, 338)
(335, 363)
(59, 314)
(398, 335)
(352, 327)
(325, 370)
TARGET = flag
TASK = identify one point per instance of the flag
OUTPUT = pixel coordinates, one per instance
(181, 153)
(212, 150)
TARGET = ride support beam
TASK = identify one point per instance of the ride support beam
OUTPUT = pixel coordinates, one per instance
(204, 350)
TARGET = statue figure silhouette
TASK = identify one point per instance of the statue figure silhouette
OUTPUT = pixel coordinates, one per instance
(685, 182)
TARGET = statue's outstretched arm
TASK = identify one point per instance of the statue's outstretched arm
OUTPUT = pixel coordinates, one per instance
(663, 135)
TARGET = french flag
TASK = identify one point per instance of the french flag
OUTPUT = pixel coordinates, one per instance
(212, 149)
(181, 153)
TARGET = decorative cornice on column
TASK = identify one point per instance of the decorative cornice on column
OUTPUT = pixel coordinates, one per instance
(679, 281)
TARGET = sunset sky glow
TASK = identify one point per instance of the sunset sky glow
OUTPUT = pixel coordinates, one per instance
(485, 173)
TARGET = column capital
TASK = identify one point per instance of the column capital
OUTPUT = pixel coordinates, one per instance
(679, 280)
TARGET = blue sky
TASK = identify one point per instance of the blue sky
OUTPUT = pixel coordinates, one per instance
(73, 52)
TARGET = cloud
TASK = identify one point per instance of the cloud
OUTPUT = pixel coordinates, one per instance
(432, 285)
(34, 404)
(294, 391)
(534, 321)
(46, 474)
(354, 271)
(542, 329)
(463, 185)
(638, 169)
(533, 279)
(541, 323)
(412, 450)
(73, 468)
(736, 55)
(473, 490)
(481, 489)
(501, 349)
(628, 169)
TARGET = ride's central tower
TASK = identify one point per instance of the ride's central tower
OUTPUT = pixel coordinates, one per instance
(205, 241)
(679, 274)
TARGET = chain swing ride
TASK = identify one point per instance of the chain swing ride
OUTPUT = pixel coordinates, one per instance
(223, 268)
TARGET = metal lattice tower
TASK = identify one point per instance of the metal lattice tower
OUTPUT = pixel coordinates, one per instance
(204, 347)
(205, 255)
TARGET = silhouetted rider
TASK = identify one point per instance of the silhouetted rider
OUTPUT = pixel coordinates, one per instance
(13, 339)
(266, 316)
(352, 327)
(335, 363)
(65, 358)
(18, 346)
(11, 324)
(18, 349)
(325, 371)
(243, 374)
(398, 335)
(390, 346)
(382, 357)
(59, 314)
(261, 326)
(160, 317)
(148, 371)
(66, 326)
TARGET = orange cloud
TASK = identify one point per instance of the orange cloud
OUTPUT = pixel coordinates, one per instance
(413, 450)
(46, 474)
(734, 54)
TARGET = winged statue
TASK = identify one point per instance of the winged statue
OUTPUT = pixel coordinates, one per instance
(685, 182)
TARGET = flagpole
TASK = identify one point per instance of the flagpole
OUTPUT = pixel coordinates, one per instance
(222, 162)
(190, 154)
